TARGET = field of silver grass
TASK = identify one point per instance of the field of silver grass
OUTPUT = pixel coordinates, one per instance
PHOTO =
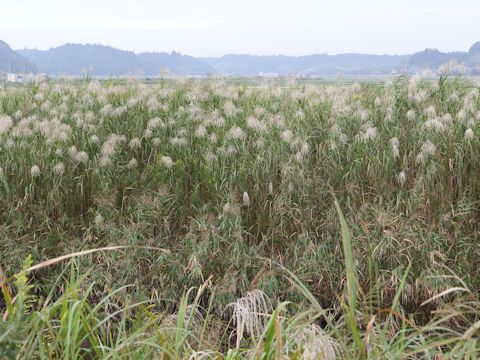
(204, 193)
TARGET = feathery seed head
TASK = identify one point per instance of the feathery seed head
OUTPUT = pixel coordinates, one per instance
(147, 134)
(235, 133)
(227, 208)
(462, 115)
(336, 129)
(287, 136)
(35, 171)
(213, 138)
(135, 143)
(179, 141)
(411, 115)
(229, 108)
(427, 149)
(6, 123)
(395, 144)
(59, 169)
(167, 161)
(370, 134)
(435, 124)
(246, 199)
(72, 152)
(430, 111)
(99, 220)
(447, 119)
(469, 134)
(132, 164)
(154, 123)
(402, 178)
(200, 132)
(81, 157)
(105, 161)
(94, 139)
(394, 141)
(211, 157)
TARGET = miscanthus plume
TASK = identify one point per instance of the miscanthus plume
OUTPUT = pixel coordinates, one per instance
(35, 171)
(135, 143)
(167, 161)
(59, 169)
(235, 133)
(469, 134)
(246, 199)
(6, 123)
(395, 143)
(427, 150)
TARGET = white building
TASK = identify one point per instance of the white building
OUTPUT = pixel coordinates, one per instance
(24, 78)
(268, 74)
(14, 78)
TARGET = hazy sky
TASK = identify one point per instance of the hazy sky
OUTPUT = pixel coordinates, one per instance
(217, 27)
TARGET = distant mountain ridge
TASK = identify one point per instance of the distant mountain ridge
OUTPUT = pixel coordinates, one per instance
(432, 58)
(308, 65)
(12, 61)
(100, 60)
(347, 64)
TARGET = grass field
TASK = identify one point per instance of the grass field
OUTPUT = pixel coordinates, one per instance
(228, 220)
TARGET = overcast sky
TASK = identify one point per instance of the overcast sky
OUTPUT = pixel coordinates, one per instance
(217, 27)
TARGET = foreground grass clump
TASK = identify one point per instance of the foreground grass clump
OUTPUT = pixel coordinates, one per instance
(204, 193)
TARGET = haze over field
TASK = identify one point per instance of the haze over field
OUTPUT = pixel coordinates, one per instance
(215, 27)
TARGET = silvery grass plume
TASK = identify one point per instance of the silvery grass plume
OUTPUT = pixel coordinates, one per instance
(250, 314)
(313, 342)
(287, 136)
(469, 134)
(402, 178)
(155, 123)
(201, 132)
(59, 169)
(428, 149)
(246, 199)
(411, 115)
(167, 161)
(235, 133)
(94, 139)
(99, 220)
(229, 108)
(435, 124)
(35, 171)
(5, 123)
(132, 164)
(395, 144)
(257, 125)
(135, 143)
(430, 111)
(81, 157)
(110, 145)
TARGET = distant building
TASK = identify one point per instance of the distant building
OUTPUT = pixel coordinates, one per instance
(24, 78)
(14, 78)
(268, 74)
